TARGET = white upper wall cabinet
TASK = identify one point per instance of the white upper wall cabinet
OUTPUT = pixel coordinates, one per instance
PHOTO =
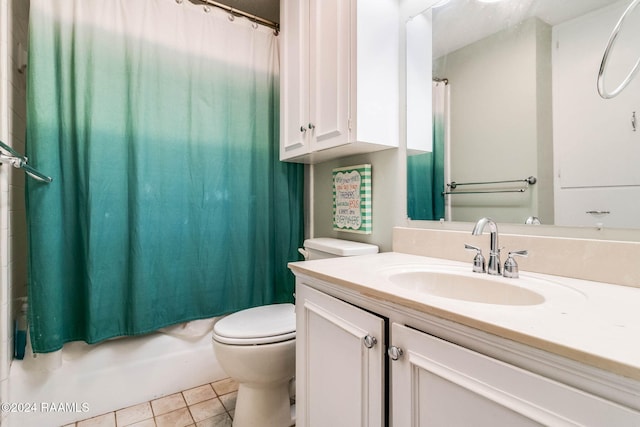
(339, 78)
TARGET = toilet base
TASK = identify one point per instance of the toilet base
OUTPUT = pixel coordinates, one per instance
(265, 407)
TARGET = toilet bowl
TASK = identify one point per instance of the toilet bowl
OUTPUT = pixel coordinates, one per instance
(256, 347)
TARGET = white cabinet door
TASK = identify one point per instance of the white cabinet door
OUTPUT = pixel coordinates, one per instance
(339, 379)
(315, 75)
(595, 144)
(437, 383)
(294, 82)
(330, 23)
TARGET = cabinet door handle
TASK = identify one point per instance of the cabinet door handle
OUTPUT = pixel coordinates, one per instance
(599, 212)
(394, 352)
(369, 341)
(312, 126)
(303, 129)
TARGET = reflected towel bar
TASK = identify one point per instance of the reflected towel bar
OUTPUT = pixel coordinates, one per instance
(528, 181)
(519, 190)
(19, 161)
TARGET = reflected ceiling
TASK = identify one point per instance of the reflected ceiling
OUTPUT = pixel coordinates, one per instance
(453, 31)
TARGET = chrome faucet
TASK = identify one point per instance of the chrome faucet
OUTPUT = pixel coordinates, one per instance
(493, 266)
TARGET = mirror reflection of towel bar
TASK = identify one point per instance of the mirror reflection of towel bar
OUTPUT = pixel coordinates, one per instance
(519, 190)
(528, 181)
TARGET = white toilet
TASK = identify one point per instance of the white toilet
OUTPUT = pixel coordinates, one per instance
(256, 347)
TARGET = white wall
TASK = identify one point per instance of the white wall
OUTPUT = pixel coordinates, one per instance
(13, 32)
(388, 171)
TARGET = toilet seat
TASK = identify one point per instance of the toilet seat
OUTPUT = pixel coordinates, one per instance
(266, 324)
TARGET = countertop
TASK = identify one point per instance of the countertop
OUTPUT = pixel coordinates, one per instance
(594, 323)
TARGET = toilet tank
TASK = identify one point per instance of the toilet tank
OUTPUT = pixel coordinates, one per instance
(326, 247)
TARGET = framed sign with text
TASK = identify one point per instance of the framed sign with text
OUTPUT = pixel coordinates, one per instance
(352, 199)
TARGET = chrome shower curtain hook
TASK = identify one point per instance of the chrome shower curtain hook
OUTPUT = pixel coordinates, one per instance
(231, 15)
(255, 23)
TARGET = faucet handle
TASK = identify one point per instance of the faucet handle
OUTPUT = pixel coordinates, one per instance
(511, 266)
(478, 260)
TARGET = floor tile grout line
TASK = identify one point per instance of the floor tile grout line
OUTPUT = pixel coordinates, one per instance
(154, 417)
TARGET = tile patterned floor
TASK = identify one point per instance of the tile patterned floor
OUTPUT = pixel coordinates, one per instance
(210, 405)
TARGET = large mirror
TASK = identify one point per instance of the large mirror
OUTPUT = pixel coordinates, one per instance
(517, 130)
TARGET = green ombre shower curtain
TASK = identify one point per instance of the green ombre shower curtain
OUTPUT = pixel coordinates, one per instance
(158, 121)
(425, 172)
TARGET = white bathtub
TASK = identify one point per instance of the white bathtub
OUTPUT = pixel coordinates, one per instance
(83, 381)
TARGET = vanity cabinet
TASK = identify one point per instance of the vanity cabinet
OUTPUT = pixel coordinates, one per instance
(431, 376)
(339, 362)
(339, 78)
(438, 383)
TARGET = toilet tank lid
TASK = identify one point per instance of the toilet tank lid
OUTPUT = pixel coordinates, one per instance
(340, 247)
(258, 322)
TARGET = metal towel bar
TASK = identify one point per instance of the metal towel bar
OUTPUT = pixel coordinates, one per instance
(19, 161)
(527, 181)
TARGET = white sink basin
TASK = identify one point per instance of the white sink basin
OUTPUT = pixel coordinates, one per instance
(456, 283)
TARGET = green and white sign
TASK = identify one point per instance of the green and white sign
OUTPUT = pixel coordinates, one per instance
(352, 199)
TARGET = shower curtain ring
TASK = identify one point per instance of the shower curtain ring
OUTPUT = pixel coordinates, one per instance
(207, 9)
(255, 23)
(231, 15)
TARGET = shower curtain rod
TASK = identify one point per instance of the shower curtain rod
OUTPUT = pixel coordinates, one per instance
(237, 12)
